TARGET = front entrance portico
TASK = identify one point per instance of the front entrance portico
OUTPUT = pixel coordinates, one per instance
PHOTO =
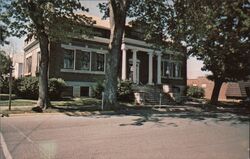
(140, 65)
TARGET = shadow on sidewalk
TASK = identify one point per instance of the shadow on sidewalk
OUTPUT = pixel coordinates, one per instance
(149, 114)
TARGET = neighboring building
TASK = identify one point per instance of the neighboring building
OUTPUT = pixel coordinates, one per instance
(230, 90)
(81, 63)
(17, 62)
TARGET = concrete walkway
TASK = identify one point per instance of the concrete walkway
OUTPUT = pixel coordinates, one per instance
(143, 136)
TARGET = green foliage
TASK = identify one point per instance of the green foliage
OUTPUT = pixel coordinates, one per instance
(28, 87)
(47, 21)
(216, 32)
(125, 92)
(4, 86)
(149, 17)
(5, 64)
(56, 87)
(50, 17)
(195, 92)
(98, 89)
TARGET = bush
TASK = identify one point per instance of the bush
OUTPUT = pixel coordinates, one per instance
(28, 88)
(98, 89)
(4, 86)
(195, 92)
(125, 92)
(56, 87)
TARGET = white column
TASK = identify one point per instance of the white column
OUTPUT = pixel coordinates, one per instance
(134, 65)
(150, 68)
(124, 62)
(158, 68)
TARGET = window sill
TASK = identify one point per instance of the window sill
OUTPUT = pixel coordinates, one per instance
(83, 71)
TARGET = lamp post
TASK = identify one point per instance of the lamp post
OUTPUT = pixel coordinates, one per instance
(10, 84)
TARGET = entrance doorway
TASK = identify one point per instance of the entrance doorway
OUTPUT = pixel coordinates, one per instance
(131, 70)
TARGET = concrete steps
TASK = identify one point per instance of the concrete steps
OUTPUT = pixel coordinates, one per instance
(153, 95)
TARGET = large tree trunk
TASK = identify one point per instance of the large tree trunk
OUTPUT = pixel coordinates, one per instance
(43, 99)
(216, 91)
(117, 24)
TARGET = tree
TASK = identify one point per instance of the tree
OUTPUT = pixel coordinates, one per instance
(3, 29)
(5, 64)
(216, 32)
(46, 20)
(117, 13)
(117, 10)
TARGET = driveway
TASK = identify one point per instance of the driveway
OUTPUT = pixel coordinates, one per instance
(133, 136)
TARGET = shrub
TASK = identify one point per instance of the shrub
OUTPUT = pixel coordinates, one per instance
(98, 89)
(4, 86)
(125, 91)
(56, 87)
(28, 88)
(195, 92)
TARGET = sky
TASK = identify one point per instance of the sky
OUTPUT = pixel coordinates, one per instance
(193, 65)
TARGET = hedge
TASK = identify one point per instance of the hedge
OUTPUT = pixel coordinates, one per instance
(195, 92)
(28, 88)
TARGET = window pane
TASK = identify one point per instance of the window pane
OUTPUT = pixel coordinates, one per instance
(167, 69)
(171, 66)
(100, 62)
(82, 60)
(29, 64)
(84, 91)
(174, 70)
(68, 60)
(162, 68)
(166, 66)
(97, 62)
(179, 70)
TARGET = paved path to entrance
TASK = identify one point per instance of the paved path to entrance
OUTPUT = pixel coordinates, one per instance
(124, 137)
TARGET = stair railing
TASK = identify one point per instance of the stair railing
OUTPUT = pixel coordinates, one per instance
(160, 99)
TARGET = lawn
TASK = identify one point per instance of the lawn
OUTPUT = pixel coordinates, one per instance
(18, 102)
(63, 102)
(76, 102)
(25, 105)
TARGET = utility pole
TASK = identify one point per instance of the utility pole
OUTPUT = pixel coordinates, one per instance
(10, 84)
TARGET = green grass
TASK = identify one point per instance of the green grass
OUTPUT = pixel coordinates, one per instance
(24, 105)
(77, 102)
(71, 102)
(18, 102)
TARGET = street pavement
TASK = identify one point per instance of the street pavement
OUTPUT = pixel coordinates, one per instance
(143, 136)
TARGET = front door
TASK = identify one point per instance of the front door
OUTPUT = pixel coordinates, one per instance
(131, 70)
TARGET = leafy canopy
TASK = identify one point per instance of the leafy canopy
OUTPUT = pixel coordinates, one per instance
(149, 16)
(5, 64)
(217, 32)
(54, 18)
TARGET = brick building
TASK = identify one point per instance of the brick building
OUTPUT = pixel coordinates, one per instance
(81, 63)
(230, 90)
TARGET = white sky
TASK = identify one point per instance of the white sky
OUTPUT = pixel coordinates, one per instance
(193, 65)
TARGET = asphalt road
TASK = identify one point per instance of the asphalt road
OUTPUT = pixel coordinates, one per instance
(124, 137)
